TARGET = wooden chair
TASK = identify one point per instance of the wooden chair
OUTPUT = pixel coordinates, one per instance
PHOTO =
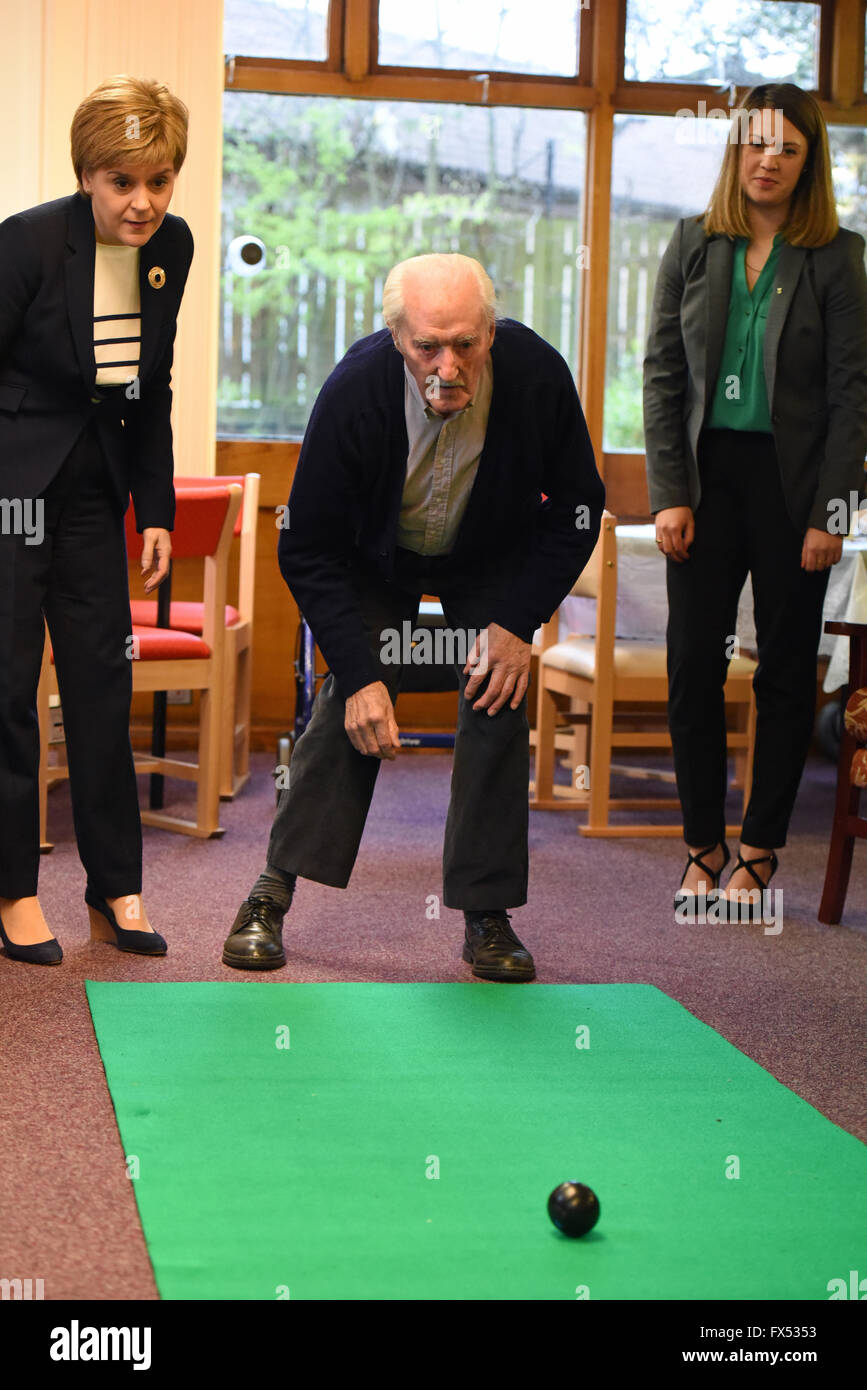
(52, 748)
(238, 649)
(164, 659)
(603, 680)
(847, 825)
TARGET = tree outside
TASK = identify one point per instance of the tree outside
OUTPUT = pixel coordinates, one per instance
(339, 190)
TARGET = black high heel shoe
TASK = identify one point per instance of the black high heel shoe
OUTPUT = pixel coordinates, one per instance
(750, 911)
(684, 896)
(104, 926)
(39, 953)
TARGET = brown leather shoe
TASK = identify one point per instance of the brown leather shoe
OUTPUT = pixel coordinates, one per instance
(493, 949)
(256, 939)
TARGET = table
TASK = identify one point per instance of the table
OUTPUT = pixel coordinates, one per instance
(642, 603)
(846, 602)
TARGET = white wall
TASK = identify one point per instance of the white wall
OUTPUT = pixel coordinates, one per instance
(55, 52)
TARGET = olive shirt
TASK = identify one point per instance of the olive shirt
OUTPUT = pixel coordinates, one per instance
(740, 399)
(441, 466)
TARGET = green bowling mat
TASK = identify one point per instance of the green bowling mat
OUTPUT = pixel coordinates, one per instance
(381, 1141)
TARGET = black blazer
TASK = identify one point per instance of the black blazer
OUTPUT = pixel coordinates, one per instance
(815, 361)
(47, 365)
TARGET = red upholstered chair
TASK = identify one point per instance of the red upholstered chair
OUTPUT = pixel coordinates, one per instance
(238, 648)
(164, 659)
(848, 825)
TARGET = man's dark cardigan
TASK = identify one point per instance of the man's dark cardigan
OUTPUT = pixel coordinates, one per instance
(345, 500)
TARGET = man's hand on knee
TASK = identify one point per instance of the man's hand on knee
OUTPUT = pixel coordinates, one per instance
(370, 722)
(505, 659)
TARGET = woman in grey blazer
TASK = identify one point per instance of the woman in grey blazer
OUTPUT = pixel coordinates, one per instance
(755, 411)
(89, 295)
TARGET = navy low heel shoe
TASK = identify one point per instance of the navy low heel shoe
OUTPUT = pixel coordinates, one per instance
(104, 926)
(40, 953)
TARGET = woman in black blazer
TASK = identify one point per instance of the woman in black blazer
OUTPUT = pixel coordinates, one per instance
(755, 408)
(89, 293)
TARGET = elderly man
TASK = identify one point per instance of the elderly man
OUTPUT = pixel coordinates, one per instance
(446, 454)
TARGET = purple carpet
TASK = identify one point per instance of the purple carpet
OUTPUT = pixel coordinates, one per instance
(599, 911)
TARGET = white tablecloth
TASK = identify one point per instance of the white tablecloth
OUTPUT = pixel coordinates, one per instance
(846, 602)
(642, 604)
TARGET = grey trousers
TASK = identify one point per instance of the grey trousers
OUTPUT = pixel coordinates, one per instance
(322, 812)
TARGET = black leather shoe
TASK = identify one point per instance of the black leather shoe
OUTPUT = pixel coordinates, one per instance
(493, 950)
(256, 939)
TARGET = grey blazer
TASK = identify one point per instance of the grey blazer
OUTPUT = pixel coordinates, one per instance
(815, 360)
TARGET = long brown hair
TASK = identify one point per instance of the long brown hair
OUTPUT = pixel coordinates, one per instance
(812, 216)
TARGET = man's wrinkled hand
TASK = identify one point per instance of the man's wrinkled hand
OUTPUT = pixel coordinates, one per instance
(370, 722)
(505, 660)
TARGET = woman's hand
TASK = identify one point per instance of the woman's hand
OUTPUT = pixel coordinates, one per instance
(675, 532)
(156, 552)
(820, 550)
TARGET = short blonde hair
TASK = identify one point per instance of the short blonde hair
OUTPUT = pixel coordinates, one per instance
(450, 262)
(812, 216)
(128, 121)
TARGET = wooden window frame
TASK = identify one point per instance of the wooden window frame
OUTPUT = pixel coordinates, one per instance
(332, 62)
(599, 88)
(582, 77)
(673, 96)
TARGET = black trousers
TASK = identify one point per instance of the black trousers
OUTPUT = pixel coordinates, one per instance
(76, 576)
(741, 527)
(321, 813)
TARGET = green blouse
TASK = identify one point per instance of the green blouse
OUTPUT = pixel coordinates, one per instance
(740, 399)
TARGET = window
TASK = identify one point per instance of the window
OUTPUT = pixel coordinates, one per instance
(363, 131)
(848, 146)
(485, 35)
(338, 191)
(663, 168)
(277, 28)
(649, 192)
(722, 42)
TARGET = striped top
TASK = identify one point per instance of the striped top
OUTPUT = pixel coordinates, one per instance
(116, 314)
